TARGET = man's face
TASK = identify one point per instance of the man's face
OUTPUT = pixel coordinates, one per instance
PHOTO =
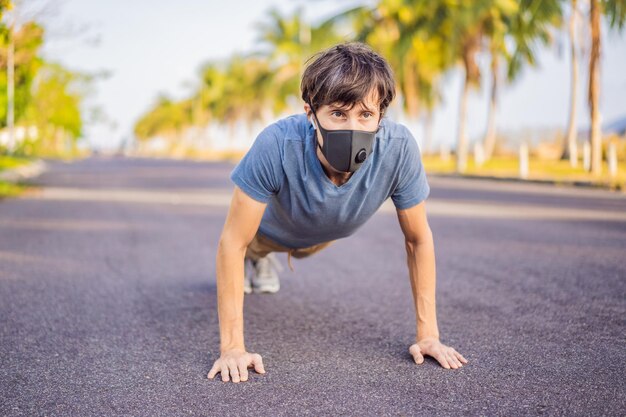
(364, 115)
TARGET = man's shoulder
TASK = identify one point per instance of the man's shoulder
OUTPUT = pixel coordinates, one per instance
(396, 137)
(289, 127)
(395, 130)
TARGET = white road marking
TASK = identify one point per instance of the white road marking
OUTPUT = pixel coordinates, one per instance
(498, 186)
(222, 198)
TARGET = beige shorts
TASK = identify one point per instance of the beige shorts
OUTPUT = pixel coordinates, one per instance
(261, 246)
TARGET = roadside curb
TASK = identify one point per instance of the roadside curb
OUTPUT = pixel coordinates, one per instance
(24, 172)
(566, 183)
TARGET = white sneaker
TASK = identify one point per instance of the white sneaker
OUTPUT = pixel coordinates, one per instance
(248, 270)
(265, 278)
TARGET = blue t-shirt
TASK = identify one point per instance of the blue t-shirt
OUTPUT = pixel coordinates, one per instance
(304, 206)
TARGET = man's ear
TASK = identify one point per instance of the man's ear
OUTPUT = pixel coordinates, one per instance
(309, 114)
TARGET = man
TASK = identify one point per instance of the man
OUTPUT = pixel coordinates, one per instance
(313, 178)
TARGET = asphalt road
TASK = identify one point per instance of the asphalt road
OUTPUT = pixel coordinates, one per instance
(108, 303)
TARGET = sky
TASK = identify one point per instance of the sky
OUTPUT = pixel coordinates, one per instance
(157, 47)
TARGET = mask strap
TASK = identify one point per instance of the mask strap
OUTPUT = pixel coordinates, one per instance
(316, 119)
(319, 126)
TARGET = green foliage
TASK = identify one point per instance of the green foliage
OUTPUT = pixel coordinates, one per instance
(165, 118)
(10, 162)
(8, 189)
(4, 6)
(615, 10)
(530, 28)
(291, 41)
(28, 41)
(408, 33)
(56, 99)
(48, 97)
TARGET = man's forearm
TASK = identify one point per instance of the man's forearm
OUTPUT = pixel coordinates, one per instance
(230, 270)
(421, 264)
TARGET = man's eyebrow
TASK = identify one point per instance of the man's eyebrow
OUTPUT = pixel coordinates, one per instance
(339, 107)
(346, 107)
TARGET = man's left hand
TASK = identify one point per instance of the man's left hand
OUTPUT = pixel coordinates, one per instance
(445, 355)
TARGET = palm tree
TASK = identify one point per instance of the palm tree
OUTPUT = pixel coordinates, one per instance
(283, 36)
(402, 32)
(461, 27)
(524, 25)
(594, 89)
(419, 54)
(616, 12)
(466, 36)
(291, 40)
(497, 24)
(423, 39)
(211, 91)
(167, 118)
(247, 90)
(418, 25)
(570, 148)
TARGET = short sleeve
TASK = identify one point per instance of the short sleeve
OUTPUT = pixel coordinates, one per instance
(412, 186)
(260, 173)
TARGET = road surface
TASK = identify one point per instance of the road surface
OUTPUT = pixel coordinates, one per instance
(108, 303)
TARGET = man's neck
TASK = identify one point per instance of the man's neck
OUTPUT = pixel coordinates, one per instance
(338, 178)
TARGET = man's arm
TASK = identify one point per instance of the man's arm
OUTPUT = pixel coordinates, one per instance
(242, 223)
(420, 250)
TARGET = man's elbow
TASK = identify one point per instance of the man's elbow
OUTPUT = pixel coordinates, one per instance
(424, 237)
(228, 242)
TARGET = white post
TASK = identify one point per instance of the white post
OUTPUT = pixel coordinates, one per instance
(523, 160)
(587, 156)
(11, 87)
(479, 154)
(444, 152)
(574, 154)
(612, 159)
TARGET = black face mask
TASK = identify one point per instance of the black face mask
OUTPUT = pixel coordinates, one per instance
(345, 150)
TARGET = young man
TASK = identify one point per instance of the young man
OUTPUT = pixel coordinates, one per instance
(312, 178)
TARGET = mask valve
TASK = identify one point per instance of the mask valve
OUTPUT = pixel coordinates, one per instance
(360, 156)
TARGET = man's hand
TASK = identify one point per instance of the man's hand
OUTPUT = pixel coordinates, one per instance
(235, 363)
(445, 355)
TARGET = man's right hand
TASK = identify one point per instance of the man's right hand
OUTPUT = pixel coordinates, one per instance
(235, 363)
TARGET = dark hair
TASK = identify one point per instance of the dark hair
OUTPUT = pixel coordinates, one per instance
(346, 74)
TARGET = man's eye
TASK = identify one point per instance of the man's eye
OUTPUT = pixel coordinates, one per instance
(337, 114)
(367, 115)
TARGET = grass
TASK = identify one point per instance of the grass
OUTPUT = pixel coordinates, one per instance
(500, 167)
(9, 162)
(8, 189)
(546, 170)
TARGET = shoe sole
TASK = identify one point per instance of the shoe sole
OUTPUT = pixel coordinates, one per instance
(261, 290)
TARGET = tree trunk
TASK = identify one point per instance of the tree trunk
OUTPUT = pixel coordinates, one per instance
(11, 88)
(571, 146)
(594, 90)
(410, 87)
(472, 76)
(461, 147)
(490, 136)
